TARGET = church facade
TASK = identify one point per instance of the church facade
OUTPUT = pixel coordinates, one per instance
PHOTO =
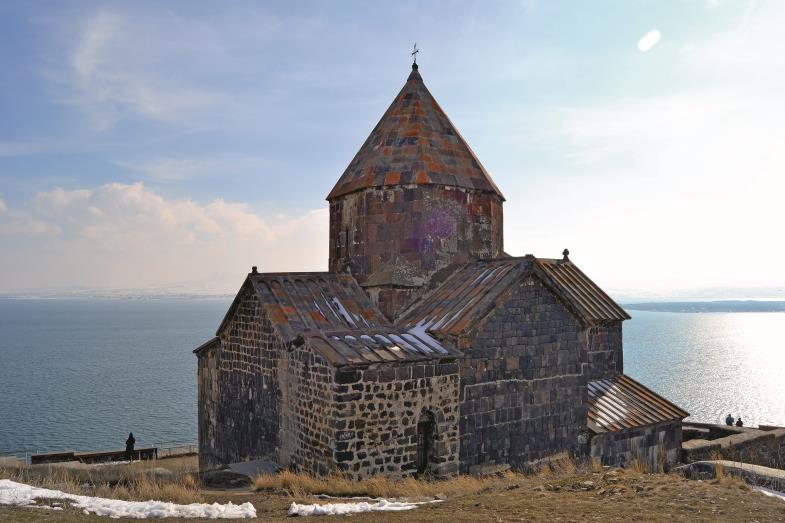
(426, 349)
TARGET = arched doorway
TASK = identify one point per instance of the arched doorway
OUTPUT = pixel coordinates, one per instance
(426, 430)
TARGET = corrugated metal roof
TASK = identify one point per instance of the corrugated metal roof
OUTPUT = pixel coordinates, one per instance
(414, 143)
(466, 296)
(474, 290)
(378, 346)
(583, 293)
(620, 403)
(333, 315)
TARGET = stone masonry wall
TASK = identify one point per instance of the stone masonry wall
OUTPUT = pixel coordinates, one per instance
(523, 383)
(307, 406)
(422, 228)
(207, 399)
(376, 414)
(392, 300)
(245, 410)
(654, 446)
(606, 353)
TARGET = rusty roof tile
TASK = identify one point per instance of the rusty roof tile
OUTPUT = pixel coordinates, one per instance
(620, 403)
(414, 142)
(332, 314)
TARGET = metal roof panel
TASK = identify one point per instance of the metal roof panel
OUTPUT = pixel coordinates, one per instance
(620, 403)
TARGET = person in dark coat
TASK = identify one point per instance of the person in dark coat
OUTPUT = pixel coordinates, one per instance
(129, 446)
(729, 420)
(739, 423)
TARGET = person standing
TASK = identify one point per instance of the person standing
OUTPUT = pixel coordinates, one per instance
(729, 420)
(129, 446)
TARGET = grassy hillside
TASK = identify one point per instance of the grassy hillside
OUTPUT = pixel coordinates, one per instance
(567, 494)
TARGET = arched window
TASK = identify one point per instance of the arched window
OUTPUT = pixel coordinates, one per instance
(425, 432)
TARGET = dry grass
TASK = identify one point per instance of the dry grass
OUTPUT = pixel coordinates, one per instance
(593, 493)
(140, 481)
(301, 484)
(142, 488)
(728, 480)
(641, 467)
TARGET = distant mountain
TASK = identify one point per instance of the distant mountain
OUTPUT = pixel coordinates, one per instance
(709, 306)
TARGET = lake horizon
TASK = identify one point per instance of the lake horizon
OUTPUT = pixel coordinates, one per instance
(80, 373)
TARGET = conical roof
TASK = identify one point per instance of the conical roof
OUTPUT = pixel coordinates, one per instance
(414, 143)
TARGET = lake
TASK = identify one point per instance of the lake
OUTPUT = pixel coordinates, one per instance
(81, 374)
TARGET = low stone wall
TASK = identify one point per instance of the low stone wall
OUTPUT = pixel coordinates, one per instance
(747, 445)
(758, 475)
(654, 446)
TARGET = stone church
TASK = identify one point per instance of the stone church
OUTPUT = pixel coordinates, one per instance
(426, 348)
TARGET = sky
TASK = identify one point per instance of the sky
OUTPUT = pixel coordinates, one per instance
(170, 146)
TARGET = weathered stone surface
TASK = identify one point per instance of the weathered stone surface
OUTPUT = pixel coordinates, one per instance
(259, 401)
(421, 228)
(239, 393)
(378, 429)
(224, 478)
(606, 356)
(523, 386)
(653, 446)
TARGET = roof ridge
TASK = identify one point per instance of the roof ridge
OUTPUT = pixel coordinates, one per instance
(467, 296)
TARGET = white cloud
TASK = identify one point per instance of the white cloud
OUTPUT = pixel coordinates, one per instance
(673, 190)
(178, 169)
(744, 56)
(3, 206)
(649, 40)
(57, 199)
(24, 225)
(114, 69)
(157, 64)
(23, 148)
(667, 192)
(124, 236)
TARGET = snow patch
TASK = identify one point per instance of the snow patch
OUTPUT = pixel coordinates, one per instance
(340, 509)
(402, 343)
(770, 493)
(22, 495)
(383, 340)
(358, 318)
(479, 277)
(45, 507)
(315, 304)
(110, 463)
(420, 331)
(423, 347)
(343, 312)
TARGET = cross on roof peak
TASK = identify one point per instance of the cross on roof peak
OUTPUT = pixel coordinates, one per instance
(414, 54)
